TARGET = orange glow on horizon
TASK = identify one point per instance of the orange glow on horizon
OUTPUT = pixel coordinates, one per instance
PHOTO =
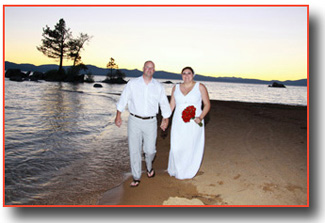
(242, 45)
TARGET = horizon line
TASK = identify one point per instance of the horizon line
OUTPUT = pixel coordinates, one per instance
(160, 71)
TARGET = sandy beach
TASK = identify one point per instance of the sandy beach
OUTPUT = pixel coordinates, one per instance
(255, 154)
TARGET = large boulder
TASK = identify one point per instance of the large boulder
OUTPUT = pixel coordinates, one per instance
(16, 75)
(97, 85)
(167, 82)
(16, 78)
(54, 75)
(115, 81)
(276, 84)
(36, 75)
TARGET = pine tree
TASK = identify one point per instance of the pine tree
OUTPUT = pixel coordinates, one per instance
(111, 65)
(75, 47)
(55, 42)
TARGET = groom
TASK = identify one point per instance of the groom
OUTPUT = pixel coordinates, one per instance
(143, 95)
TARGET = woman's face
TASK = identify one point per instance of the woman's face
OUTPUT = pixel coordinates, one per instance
(187, 75)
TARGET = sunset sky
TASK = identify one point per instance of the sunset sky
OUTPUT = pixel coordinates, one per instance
(250, 42)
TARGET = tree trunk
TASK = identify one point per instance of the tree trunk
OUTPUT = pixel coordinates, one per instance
(61, 55)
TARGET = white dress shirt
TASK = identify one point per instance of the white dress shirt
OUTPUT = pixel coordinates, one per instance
(144, 99)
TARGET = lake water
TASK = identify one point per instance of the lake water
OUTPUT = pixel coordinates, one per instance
(61, 144)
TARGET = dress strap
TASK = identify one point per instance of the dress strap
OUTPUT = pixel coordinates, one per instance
(197, 85)
(176, 87)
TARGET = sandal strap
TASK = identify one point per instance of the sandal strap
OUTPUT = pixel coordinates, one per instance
(135, 183)
(151, 172)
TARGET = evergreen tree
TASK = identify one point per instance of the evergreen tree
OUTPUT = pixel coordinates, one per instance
(75, 46)
(120, 74)
(111, 65)
(55, 42)
(58, 43)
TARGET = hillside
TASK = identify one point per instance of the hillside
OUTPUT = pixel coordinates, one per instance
(158, 74)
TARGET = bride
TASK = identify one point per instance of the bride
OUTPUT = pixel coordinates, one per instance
(187, 134)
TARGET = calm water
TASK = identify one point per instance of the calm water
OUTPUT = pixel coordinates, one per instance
(61, 144)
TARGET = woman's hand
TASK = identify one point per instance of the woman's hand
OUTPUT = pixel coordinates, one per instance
(197, 120)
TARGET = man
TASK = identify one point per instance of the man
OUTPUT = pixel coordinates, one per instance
(143, 95)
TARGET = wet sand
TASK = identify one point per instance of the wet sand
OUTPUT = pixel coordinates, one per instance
(255, 154)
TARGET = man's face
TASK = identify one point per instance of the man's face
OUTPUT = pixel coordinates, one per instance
(149, 69)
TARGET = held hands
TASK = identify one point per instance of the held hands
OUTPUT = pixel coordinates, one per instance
(164, 124)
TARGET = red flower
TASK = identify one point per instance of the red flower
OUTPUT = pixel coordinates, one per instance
(189, 113)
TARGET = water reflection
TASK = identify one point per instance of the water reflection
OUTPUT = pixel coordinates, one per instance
(63, 148)
(61, 145)
(60, 110)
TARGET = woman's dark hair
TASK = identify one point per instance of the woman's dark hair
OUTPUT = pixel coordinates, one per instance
(190, 68)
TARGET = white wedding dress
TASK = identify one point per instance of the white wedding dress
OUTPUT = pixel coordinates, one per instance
(187, 139)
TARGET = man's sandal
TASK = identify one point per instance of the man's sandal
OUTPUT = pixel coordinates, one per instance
(151, 173)
(135, 183)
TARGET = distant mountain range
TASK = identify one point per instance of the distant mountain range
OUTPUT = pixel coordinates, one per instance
(158, 74)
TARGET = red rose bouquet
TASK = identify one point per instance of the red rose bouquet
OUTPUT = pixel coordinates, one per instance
(189, 113)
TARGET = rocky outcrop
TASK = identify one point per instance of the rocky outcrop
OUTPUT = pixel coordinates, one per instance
(167, 82)
(16, 75)
(276, 84)
(75, 78)
(52, 75)
(55, 76)
(37, 76)
(114, 81)
(98, 85)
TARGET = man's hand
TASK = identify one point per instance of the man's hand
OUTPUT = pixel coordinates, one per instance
(164, 124)
(118, 120)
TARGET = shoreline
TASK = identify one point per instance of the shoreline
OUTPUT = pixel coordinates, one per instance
(255, 154)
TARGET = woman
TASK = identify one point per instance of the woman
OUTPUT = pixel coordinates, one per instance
(187, 137)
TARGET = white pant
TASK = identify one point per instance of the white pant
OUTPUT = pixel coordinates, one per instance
(141, 132)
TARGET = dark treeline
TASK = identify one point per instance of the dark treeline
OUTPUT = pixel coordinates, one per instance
(59, 44)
